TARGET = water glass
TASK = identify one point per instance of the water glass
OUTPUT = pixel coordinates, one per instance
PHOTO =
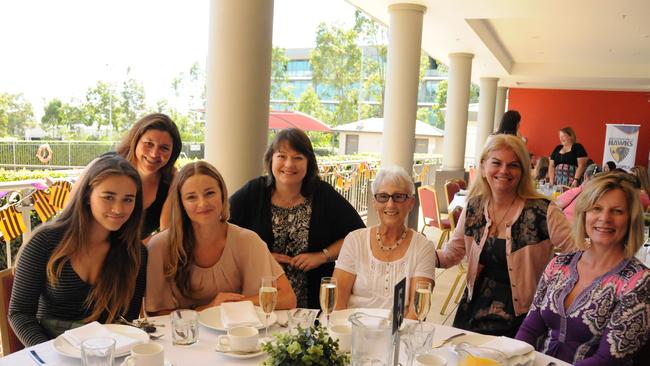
(185, 327)
(98, 351)
(301, 317)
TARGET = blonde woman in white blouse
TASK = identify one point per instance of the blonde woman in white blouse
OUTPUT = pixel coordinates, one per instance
(373, 260)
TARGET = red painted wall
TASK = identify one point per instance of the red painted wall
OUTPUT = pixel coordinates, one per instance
(544, 112)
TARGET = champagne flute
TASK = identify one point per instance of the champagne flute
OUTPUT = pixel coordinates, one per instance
(422, 301)
(268, 298)
(328, 294)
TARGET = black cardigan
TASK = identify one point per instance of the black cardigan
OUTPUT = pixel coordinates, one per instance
(332, 218)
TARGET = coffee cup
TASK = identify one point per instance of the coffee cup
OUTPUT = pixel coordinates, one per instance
(342, 333)
(429, 360)
(147, 354)
(240, 339)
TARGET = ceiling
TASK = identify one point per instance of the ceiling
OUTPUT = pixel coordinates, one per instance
(566, 44)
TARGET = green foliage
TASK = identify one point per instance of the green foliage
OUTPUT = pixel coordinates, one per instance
(16, 114)
(280, 89)
(309, 346)
(7, 175)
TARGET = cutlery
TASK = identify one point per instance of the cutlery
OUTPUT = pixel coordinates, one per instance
(37, 358)
(449, 339)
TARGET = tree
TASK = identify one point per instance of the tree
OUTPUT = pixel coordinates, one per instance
(102, 106)
(310, 104)
(132, 103)
(373, 36)
(280, 90)
(53, 116)
(336, 67)
(16, 114)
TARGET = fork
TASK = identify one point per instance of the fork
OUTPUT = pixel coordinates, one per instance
(448, 339)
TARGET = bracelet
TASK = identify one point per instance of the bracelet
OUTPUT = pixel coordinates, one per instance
(327, 254)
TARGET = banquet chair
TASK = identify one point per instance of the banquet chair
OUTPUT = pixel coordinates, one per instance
(10, 342)
(451, 188)
(454, 216)
(431, 213)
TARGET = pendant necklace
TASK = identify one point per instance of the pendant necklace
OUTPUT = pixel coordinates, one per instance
(392, 247)
(496, 227)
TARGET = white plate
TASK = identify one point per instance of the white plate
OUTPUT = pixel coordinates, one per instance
(167, 363)
(342, 316)
(239, 355)
(65, 348)
(211, 318)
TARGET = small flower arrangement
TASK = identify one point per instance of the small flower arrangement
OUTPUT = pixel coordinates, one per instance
(305, 346)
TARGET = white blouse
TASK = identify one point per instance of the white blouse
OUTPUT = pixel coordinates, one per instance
(375, 279)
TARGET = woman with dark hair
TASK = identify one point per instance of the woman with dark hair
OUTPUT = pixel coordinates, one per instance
(609, 166)
(568, 160)
(509, 123)
(86, 265)
(302, 219)
(592, 306)
(152, 146)
(202, 260)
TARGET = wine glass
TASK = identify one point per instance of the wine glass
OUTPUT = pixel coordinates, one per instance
(268, 298)
(328, 294)
(422, 301)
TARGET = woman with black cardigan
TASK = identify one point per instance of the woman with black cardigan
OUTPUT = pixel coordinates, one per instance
(302, 219)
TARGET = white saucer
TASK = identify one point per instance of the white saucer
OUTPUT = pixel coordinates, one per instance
(240, 355)
(211, 318)
(167, 363)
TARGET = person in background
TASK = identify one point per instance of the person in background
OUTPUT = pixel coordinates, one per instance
(88, 263)
(567, 200)
(568, 160)
(509, 232)
(302, 219)
(373, 260)
(609, 166)
(644, 182)
(202, 260)
(541, 169)
(509, 124)
(592, 307)
(152, 146)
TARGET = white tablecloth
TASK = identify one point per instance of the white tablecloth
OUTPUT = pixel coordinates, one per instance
(203, 352)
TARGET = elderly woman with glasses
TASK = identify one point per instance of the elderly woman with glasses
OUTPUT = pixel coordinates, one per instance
(592, 306)
(509, 232)
(373, 260)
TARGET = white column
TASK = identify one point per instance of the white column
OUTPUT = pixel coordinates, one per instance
(238, 84)
(486, 105)
(460, 70)
(500, 106)
(400, 108)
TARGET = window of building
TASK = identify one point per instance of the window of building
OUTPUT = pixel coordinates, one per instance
(421, 146)
(351, 144)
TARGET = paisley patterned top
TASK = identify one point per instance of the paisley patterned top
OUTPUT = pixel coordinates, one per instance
(607, 323)
(291, 237)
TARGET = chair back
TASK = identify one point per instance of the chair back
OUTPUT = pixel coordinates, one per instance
(10, 342)
(451, 188)
(429, 205)
(461, 183)
(454, 216)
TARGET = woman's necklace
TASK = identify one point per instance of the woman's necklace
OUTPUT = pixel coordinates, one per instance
(394, 246)
(495, 231)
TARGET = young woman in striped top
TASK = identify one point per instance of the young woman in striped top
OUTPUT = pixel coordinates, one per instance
(89, 263)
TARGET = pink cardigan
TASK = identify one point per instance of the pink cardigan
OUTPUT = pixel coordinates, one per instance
(526, 264)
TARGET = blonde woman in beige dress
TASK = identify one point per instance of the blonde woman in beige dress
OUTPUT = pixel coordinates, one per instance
(202, 260)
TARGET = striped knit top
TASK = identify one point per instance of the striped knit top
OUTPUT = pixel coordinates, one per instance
(33, 298)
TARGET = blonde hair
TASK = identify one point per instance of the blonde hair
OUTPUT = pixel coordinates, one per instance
(525, 188)
(593, 191)
(181, 233)
(642, 173)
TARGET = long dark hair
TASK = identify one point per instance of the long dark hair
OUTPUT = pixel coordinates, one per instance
(509, 122)
(299, 141)
(181, 232)
(153, 121)
(116, 282)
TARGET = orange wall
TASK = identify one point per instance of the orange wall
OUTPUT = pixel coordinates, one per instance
(544, 112)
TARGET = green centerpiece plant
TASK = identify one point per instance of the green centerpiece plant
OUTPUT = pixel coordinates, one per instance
(304, 347)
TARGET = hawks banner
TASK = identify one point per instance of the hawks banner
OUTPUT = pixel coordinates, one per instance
(620, 145)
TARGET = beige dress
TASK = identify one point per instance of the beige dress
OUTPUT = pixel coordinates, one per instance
(245, 259)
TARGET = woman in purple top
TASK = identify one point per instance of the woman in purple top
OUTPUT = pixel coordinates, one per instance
(592, 307)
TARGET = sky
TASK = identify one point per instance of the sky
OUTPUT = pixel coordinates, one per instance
(61, 48)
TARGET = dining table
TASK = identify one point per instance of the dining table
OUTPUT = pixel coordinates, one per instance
(204, 352)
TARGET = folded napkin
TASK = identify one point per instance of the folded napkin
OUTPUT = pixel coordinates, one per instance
(77, 336)
(508, 346)
(237, 314)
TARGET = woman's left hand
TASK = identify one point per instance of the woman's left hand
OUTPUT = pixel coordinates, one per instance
(308, 261)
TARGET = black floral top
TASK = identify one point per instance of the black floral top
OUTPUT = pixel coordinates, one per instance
(291, 237)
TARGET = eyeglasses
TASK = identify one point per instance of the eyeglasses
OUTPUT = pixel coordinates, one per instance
(397, 197)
